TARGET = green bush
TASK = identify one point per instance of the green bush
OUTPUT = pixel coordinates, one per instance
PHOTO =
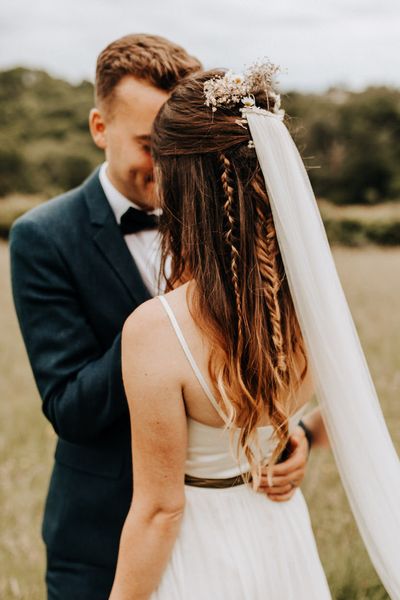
(12, 169)
(44, 136)
(65, 171)
(345, 231)
(350, 232)
(350, 141)
(387, 234)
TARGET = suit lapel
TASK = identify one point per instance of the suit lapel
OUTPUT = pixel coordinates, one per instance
(110, 242)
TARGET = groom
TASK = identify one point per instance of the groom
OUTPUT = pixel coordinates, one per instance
(81, 263)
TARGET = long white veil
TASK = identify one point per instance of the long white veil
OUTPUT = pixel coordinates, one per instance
(365, 456)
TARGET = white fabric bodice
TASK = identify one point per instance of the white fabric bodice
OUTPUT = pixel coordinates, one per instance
(210, 453)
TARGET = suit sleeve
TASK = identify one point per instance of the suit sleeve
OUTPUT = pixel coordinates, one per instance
(80, 385)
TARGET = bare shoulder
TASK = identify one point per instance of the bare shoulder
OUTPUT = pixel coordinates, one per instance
(150, 348)
(148, 343)
(150, 318)
(147, 354)
(145, 321)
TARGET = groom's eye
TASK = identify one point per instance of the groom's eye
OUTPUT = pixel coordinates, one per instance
(144, 143)
(146, 148)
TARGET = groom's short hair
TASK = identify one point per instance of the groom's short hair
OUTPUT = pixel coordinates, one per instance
(151, 58)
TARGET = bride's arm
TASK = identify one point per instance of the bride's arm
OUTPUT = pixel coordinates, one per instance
(315, 424)
(313, 420)
(159, 440)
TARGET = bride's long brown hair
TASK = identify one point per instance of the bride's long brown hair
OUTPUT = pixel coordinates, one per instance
(218, 228)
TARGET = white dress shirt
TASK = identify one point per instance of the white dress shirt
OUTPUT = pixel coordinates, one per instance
(143, 245)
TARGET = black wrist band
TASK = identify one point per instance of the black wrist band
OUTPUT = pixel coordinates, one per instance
(308, 433)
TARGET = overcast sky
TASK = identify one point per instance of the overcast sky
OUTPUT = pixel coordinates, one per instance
(319, 42)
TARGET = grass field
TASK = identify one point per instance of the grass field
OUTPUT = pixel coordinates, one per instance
(371, 281)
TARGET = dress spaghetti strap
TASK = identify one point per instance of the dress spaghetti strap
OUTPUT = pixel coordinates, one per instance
(190, 358)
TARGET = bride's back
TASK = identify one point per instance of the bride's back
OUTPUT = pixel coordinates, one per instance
(198, 406)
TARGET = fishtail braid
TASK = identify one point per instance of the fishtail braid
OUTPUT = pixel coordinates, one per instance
(267, 250)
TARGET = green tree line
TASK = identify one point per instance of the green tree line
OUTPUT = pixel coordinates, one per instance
(350, 141)
(45, 146)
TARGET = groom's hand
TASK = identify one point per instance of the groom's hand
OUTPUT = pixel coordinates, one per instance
(287, 475)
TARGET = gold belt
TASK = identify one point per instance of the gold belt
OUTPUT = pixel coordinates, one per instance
(205, 482)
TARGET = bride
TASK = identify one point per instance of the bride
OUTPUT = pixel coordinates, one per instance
(219, 369)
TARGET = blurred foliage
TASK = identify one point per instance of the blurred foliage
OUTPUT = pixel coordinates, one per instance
(45, 146)
(356, 233)
(357, 225)
(350, 142)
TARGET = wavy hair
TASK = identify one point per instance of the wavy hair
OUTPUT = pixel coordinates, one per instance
(218, 228)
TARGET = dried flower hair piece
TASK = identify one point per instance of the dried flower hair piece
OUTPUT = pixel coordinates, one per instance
(234, 88)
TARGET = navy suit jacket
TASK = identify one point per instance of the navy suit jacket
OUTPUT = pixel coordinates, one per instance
(74, 284)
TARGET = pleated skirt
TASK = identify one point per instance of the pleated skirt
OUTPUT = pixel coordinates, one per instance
(237, 544)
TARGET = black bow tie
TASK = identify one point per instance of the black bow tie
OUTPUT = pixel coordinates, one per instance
(134, 220)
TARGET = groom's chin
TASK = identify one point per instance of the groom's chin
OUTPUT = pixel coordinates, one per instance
(145, 196)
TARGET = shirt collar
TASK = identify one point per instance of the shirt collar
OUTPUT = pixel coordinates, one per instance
(118, 202)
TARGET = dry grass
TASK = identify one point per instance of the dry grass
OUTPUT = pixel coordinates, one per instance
(370, 277)
(26, 449)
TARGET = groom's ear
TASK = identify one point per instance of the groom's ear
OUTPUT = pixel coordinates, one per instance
(97, 128)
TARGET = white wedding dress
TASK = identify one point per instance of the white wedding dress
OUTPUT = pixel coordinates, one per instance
(234, 543)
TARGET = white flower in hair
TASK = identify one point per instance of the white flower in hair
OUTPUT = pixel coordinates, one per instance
(237, 78)
(248, 101)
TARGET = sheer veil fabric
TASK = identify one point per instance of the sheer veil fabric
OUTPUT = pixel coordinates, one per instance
(366, 459)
